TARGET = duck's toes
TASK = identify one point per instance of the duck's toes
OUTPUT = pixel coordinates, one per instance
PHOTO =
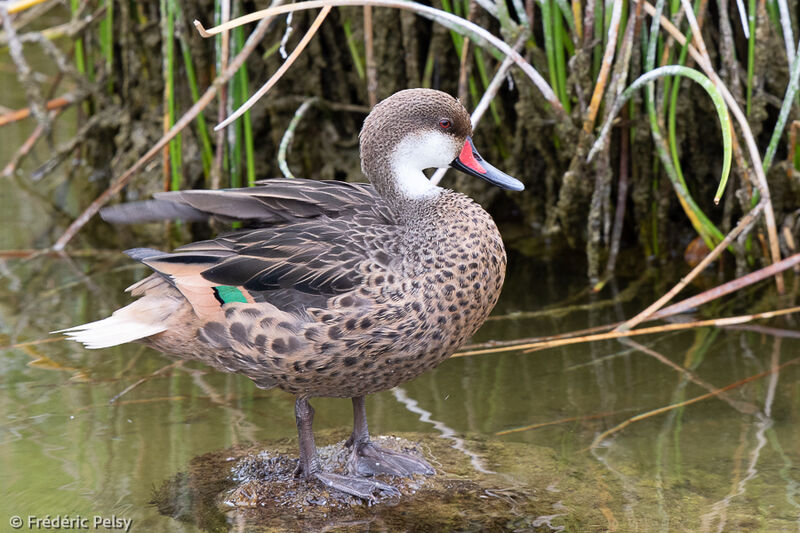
(367, 459)
(366, 489)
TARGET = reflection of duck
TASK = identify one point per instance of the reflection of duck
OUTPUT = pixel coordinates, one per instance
(343, 290)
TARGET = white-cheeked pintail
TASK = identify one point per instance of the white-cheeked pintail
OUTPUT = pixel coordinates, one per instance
(333, 289)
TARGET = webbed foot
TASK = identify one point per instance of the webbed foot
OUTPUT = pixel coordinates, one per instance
(366, 489)
(368, 459)
(309, 465)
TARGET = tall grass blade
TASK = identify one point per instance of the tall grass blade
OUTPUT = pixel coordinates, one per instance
(80, 55)
(206, 151)
(786, 107)
(751, 54)
(560, 60)
(352, 45)
(168, 44)
(549, 44)
(107, 42)
(243, 89)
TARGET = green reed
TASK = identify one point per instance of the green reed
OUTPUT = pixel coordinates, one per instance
(241, 92)
(168, 10)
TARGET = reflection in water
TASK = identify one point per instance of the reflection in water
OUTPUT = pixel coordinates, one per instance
(762, 423)
(446, 431)
(716, 463)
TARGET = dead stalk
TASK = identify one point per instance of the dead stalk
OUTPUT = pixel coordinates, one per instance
(713, 322)
(370, 67)
(158, 372)
(744, 223)
(560, 421)
(280, 72)
(20, 114)
(219, 155)
(605, 68)
(25, 148)
(731, 286)
(24, 72)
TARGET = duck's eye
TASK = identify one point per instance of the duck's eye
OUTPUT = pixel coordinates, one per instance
(445, 124)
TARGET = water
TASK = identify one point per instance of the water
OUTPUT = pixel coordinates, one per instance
(724, 463)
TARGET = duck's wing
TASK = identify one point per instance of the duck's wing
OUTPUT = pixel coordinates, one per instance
(271, 201)
(293, 266)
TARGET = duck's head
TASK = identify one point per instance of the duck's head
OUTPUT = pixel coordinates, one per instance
(417, 129)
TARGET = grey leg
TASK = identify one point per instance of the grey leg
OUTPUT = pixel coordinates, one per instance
(304, 417)
(309, 466)
(367, 459)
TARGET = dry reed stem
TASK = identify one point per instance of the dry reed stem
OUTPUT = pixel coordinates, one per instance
(717, 322)
(576, 15)
(25, 74)
(32, 343)
(504, 346)
(559, 421)
(281, 70)
(369, 61)
(22, 5)
(186, 119)
(219, 153)
(604, 435)
(605, 68)
(473, 30)
(50, 105)
(743, 223)
(25, 148)
(683, 305)
(731, 286)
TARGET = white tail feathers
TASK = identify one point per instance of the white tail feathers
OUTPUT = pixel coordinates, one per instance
(140, 319)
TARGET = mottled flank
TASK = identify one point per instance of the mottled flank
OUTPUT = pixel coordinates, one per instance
(406, 297)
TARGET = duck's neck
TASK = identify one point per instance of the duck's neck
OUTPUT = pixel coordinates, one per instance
(402, 185)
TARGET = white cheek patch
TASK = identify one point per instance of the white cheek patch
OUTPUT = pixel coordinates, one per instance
(418, 151)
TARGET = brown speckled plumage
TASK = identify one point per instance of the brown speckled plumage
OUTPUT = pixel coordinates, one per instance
(339, 289)
(410, 296)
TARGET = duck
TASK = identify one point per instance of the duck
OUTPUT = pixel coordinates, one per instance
(329, 288)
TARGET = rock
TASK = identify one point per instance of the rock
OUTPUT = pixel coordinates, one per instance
(253, 486)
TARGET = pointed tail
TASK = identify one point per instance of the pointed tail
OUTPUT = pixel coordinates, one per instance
(142, 318)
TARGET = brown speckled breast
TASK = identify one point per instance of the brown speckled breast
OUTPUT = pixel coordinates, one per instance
(441, 280)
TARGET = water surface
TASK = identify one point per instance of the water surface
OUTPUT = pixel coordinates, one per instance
(724, 463)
